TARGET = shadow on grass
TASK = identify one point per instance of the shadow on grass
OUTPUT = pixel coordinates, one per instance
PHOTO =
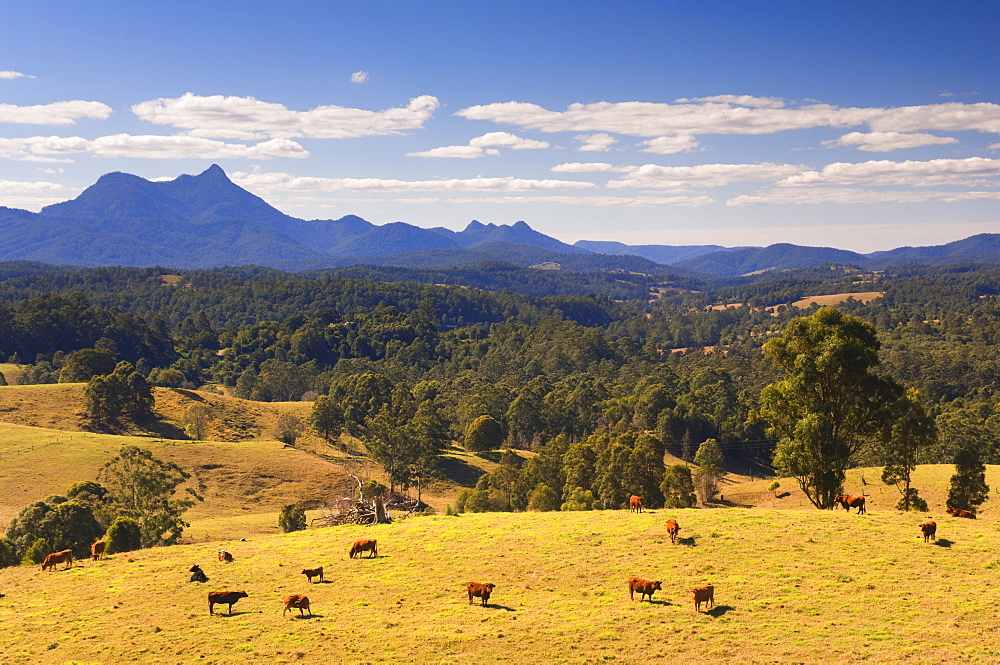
(459, 471)
(234, 614)
(944, 542)
(719, 610)
(688, 542)
(657, 602)
(494, 606)
(306, 617)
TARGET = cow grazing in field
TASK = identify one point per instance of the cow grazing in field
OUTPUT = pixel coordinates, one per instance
(296, 600)
(967, 514)
(635, 504)
(672, 528)
(644, 587)
(929, 529)
(97, 550)
(477, 590)
(197, 574)
(66, 556)
(310, 573)
(365, 545)
(703, 594)
(849, 502)
(224, 598)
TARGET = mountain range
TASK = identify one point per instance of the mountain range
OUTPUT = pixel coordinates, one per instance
(206, 221)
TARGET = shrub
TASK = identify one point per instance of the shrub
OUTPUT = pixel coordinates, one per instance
(579, 499)
(292, 518)
(915, 502)
(463, 497)
(288, 429)
(543, 498)
(37, 551)
(8, 553)
(124, 535)
(373, 488)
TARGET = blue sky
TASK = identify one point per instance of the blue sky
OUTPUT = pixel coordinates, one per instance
(857, 125)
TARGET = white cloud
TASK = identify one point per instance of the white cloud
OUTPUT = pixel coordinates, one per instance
(269, 182)
(595, 142)
(507, 140)
(969, 172)
(25, 187)
(34, 196)
(359, 77)
(56, 148)
(455, 152)
(993, 146)
(670, 145)
(601, 201)
(8, 74)
(703, 175)
(481, 146)
(739, 100)
(246, 118)
(585, 167)
(888, 141)
(57, 113)
(825, 195)
(734, 114)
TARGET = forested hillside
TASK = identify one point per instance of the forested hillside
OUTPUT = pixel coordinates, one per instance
(597, 384)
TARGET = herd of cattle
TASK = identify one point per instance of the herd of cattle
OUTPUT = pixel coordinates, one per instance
(702, 594)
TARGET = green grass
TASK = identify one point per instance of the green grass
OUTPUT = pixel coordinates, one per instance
(790, 586)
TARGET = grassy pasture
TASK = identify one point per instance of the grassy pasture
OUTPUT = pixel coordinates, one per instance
(791, 586)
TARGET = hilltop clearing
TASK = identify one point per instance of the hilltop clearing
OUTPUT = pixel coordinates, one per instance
(791, 586)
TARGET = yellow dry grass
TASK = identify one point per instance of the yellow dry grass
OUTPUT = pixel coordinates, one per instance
(836, 299)
(791, 586)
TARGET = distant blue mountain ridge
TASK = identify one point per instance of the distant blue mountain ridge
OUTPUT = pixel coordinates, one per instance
(206, 220)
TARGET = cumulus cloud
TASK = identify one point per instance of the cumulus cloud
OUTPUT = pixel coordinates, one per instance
(27, 187)
(246, 118)
(455, 152)
(734, 114)
(359, 77)
(8, 74)
(969, 172)
(482, 146)
(507, 140)
(57, 148)
(824, 195)
(888, 141)
(259, 181)
(670, 145)
(595, 142)
(585, 167)
(739, 100)
(57, 113)
(703, 175)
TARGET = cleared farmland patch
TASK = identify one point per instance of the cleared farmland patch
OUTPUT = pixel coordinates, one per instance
(791, 586)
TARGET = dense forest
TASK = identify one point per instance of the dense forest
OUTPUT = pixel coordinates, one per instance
(600, 368)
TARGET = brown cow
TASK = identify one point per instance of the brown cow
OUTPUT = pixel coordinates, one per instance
(849, 502)
(477, 590)
(365, 545)
(967, 514)
(672, 528)
(66, 556)
(97, 550)
(635, 504)
(703, 594)
(225, 556)
(929, 529)
(310, 573)
(224, 598)
(644, 587)
(299, 601)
